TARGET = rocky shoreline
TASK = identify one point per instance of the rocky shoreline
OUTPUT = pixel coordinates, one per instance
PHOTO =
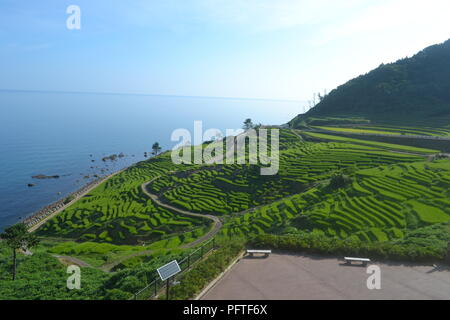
(38, 216)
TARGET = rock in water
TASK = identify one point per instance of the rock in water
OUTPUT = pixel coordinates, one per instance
(43, 176)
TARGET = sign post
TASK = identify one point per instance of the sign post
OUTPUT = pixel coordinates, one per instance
(166, 272)
(167, 289)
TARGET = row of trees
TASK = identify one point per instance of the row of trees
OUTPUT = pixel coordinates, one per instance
(317, 98)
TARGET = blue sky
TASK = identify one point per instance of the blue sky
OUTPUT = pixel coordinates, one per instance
(278, 49)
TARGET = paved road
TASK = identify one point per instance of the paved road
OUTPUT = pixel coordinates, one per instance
(216, 220)
(297, 277)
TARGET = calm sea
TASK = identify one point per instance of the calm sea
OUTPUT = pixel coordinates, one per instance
(61, 133)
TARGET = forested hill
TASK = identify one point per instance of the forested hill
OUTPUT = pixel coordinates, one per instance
(412, 87)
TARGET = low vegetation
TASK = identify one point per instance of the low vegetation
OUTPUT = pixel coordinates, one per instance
(204, 272)
(319, 244)
(43, 277)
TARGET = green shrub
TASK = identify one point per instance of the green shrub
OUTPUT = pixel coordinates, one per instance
(43, 277)
(196, 279)
(339, 181)
(69, 199)
(320, 244)
(116, 294)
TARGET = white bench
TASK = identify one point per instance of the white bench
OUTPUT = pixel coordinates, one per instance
(364, 261)
(265, 252)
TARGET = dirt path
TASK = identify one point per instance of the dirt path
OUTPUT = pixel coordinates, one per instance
(298, 135)
(109, 266)
(216, 220)
(66, 260)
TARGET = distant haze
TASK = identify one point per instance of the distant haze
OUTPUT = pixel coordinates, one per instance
(284, 49)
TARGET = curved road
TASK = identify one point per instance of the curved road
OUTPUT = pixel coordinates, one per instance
(214, 230)
(216, 220)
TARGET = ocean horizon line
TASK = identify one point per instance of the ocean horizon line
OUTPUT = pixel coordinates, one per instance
(148, 95)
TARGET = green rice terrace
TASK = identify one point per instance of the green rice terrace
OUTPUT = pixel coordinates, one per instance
(328, 187)
(391, 130)
(236, 188)
(378, 204)
(436, 127)
(119, 212)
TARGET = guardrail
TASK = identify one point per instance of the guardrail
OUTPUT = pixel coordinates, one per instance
(153, 288)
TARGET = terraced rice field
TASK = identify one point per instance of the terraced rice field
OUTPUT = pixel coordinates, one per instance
(433, 127)
(224, 189)
(118, 212)
(437, 128)
(388, 146)
(385, 130)
(380, 205)
(391, 191)
(368, 130)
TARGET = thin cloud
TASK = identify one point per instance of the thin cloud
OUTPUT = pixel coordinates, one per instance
(245, 15)
(412, 17)
(264, 15)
